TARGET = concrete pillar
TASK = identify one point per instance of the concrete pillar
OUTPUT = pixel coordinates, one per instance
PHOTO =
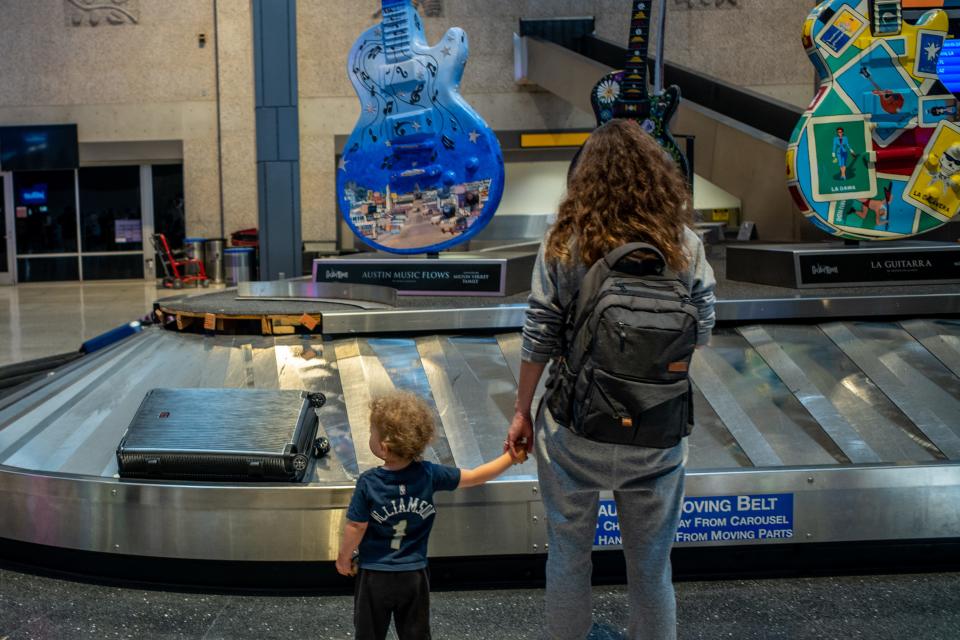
(278, 137)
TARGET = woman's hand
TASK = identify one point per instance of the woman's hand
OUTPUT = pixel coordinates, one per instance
(520, 434)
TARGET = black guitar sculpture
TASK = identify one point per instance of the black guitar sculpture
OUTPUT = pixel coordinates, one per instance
(624, 94)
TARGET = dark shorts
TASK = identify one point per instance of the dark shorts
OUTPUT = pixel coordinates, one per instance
(404, 595)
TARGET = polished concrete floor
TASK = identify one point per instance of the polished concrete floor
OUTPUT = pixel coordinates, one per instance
(38, 320)
(918, 607)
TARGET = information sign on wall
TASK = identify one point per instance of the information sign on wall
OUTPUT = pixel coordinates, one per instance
(715, 519)
(127, 231)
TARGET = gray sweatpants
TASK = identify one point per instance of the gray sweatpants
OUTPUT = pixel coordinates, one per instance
(647, 485)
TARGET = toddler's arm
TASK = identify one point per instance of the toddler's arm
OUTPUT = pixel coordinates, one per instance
(489, 470)
(352, 535)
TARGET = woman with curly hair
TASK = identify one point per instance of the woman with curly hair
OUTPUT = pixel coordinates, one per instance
(623, 188)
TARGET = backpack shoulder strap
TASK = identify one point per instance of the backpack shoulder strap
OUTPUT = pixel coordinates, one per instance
(602, 269)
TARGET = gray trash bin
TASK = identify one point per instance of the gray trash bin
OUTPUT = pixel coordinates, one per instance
(238, 262)
(193, 248)
(213, 259)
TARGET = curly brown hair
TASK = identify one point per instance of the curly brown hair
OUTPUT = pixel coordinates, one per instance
(623, 188)
(404, 423)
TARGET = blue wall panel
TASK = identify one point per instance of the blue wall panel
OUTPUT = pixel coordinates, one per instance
(278, 137)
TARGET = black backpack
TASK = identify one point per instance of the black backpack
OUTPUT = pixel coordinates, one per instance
(629, 338)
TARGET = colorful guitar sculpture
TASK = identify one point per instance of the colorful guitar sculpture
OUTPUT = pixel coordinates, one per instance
(421, 171)
(876, 155)
(624, 94)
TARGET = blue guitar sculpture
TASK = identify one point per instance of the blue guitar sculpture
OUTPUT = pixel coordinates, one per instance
(421, 171)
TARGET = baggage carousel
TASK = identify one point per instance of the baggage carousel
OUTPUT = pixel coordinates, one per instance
(828, 417)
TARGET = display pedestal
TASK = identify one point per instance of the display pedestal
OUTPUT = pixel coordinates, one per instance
(493, 273)
(837, 265)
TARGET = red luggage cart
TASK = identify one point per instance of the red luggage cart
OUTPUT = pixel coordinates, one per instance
(177, 265)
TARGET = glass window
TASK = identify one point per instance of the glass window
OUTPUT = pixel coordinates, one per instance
(45, 212)
(47, 269)
(112, 267)
(168, 207)
(110, 209)
(4, 267)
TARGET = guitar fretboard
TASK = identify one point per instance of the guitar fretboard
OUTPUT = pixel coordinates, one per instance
(634, 84)
(396, 31)
(886, 17)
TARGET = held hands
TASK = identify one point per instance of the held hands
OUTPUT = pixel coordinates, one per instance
(519, 456)
(519, 436)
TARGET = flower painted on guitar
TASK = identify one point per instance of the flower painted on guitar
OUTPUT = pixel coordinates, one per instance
(608, 91)
(648, 126)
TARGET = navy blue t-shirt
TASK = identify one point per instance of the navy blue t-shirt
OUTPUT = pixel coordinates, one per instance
(398, 507)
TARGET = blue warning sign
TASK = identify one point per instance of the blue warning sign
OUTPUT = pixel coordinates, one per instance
(715, 519)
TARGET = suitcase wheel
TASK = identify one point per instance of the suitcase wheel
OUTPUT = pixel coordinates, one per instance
(300, 463)
(317, 400)
(321, 447)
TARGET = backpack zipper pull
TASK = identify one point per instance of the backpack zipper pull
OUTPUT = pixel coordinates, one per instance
(623, 336)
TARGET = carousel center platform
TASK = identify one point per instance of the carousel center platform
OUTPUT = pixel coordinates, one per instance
(829, 416)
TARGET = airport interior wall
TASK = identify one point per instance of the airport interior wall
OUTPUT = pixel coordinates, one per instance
(148, 81)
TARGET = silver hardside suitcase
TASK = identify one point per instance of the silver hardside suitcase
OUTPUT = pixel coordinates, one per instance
(221, 435)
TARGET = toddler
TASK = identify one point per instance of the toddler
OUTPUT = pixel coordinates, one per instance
(390, 517)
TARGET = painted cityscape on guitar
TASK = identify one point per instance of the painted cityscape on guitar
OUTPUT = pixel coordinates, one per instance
(876, 155)
(421, 171)
(624, 94)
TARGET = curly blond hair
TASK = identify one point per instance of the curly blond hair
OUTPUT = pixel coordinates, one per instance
(404, 423)
(623, 188)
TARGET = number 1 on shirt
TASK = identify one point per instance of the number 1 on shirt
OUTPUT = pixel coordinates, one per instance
(399, 530)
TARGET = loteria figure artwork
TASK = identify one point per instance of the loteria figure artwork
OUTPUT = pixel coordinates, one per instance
(871, 156)
(421, 171)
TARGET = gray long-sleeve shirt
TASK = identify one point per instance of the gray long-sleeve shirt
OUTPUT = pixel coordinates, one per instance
(554, 285)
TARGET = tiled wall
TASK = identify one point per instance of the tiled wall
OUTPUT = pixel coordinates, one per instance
(143, 80)
(149, 79)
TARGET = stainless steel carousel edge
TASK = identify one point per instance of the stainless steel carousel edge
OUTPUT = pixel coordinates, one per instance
(303, 522)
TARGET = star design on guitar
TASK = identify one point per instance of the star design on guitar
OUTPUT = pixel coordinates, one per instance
(446, 52)
(371, 109)
(932, 50)
(473, 135)
(343, 164)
